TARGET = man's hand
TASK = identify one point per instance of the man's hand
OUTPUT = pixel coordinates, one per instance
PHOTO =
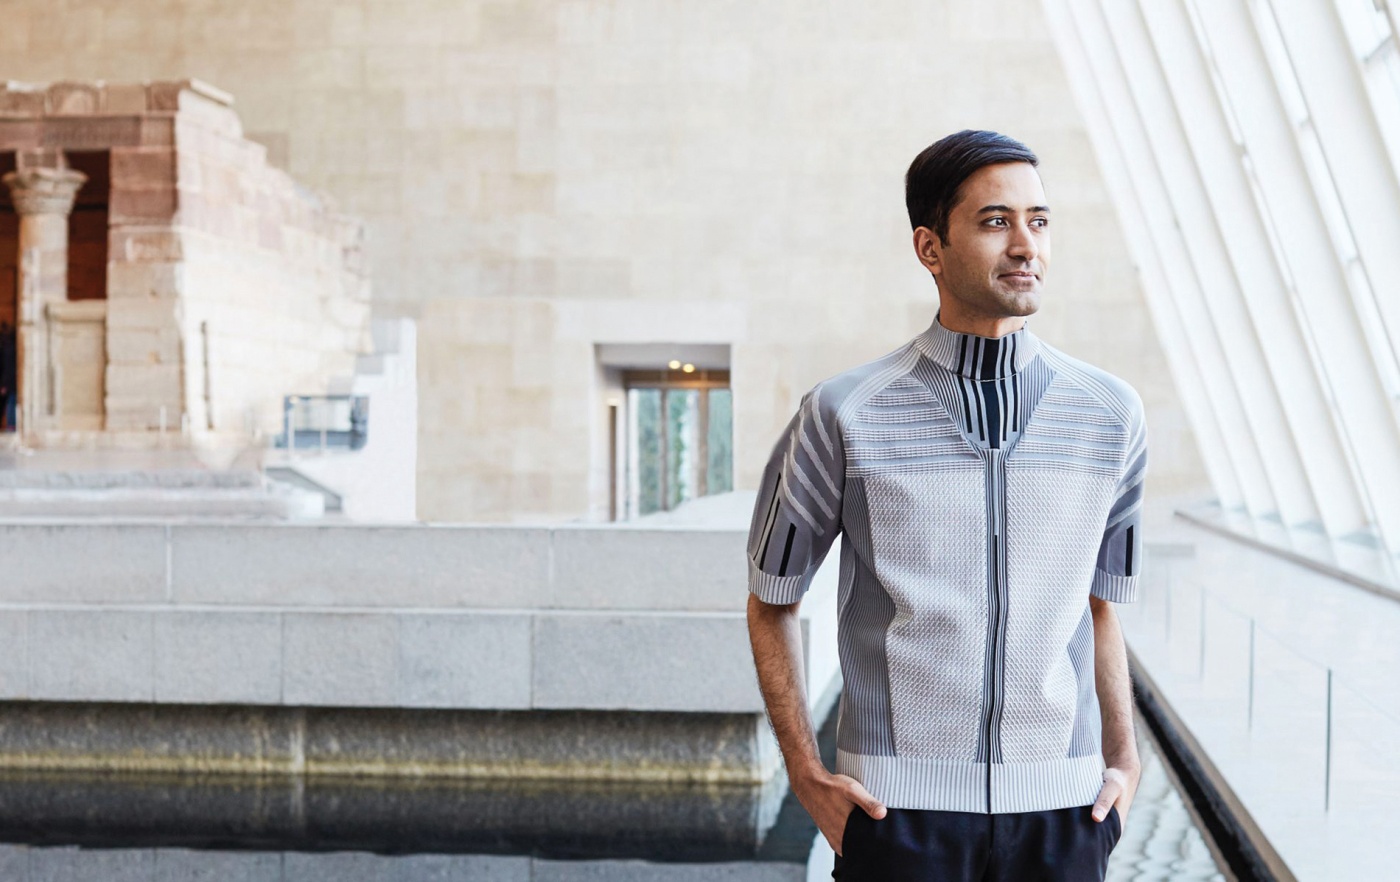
(1119, 786)
(777, 654)
(830, 799)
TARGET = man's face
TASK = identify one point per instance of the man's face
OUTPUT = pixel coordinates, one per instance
(998, 247)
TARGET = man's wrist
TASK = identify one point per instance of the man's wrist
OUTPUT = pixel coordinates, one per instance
(1129, 766)
(805, 768)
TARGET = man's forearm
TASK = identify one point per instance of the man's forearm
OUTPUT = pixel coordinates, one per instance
(1114, 688)
(776, 636)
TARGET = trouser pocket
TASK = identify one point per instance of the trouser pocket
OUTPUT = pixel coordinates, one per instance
(847, 866)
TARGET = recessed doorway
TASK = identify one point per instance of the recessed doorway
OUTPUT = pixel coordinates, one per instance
(681, 427)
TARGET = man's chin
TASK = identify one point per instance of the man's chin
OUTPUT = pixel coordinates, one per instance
(1017, 303)
(999, 302)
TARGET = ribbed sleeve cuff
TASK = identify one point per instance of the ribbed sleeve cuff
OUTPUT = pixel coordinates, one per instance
(1117, 589)
(776, 589)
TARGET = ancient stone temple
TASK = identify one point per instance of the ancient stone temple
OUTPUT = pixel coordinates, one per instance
(166, 285)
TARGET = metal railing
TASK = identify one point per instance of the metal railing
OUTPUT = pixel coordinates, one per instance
(1270, 695)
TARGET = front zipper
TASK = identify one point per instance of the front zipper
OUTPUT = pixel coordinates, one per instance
(996, 612)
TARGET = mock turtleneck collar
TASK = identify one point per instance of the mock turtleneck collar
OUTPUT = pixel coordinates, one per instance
(978, 358)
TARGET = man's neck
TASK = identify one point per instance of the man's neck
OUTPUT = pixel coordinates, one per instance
(955, 317)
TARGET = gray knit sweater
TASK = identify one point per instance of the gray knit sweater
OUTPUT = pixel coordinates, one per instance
(985, 488)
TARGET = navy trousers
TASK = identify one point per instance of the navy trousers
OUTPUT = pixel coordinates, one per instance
(1061, 845)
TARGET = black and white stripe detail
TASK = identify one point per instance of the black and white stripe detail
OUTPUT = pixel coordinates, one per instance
(989, 411)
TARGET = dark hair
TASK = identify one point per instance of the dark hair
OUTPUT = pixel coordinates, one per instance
(932, 184)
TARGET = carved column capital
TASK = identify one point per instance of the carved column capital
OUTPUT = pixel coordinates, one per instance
(44, 190)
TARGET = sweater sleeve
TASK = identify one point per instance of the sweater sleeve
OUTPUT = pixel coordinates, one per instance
(1120, 553)
(798, 510)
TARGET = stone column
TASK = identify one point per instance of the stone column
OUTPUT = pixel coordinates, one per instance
(43, 189)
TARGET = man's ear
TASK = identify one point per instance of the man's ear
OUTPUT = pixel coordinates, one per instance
(927, 246)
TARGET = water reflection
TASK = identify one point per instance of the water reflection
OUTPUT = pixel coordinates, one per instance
(149, 829)
(575, 821)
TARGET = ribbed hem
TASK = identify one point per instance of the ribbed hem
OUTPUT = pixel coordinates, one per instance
(776, 589)
(901, 782)
(1118, 589)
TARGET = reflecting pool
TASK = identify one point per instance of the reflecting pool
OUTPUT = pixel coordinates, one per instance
(149, 829)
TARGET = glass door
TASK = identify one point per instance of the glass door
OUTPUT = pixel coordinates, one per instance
(680, 438)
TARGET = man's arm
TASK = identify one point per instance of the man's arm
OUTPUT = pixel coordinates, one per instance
(776, 637)
(1115, 692)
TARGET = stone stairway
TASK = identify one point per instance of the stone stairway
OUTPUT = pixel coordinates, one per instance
(181, 492)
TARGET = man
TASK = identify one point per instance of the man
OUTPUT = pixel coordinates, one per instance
(989, 490)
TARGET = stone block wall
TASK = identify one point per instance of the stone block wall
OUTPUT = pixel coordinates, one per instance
(617, 158)
(277, 295)
(229, 284)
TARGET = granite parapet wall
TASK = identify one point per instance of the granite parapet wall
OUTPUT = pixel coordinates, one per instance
(611, 623)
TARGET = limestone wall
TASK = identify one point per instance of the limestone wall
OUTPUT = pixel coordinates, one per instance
(276, 297)
(542, 175)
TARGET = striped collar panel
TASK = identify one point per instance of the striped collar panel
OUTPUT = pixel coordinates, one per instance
(978, 358)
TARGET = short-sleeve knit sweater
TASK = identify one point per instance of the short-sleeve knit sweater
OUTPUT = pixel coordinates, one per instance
(985, 488)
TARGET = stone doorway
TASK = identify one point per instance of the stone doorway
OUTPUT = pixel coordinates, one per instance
(53, 288)
(77, 325)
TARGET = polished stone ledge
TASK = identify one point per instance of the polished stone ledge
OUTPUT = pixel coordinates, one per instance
(385, 744)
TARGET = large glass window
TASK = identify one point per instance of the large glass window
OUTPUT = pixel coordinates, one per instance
(1295, 107)
(1369, 32)
(682, 432)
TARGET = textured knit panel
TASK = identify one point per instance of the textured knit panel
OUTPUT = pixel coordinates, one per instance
(929, 537)
(864, 612)
(1052, 536)
(1085, 739)
(1059, 487)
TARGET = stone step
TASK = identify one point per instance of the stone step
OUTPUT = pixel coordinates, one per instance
(37, 493)
(110, 479)
(121, 504)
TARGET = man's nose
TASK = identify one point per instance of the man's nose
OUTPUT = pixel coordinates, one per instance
(1022, 244)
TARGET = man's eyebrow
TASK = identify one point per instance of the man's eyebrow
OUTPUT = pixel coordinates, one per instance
(1036, 209)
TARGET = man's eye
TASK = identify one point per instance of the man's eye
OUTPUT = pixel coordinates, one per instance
(996, 220)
